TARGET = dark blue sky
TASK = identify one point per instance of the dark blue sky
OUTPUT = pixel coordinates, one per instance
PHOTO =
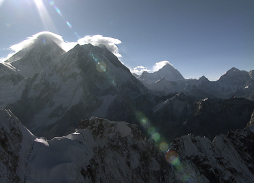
(198, 37)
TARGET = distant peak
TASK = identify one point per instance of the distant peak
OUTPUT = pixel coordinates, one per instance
(233, 69)
(167, 65)
(144, 72)
(203, 78)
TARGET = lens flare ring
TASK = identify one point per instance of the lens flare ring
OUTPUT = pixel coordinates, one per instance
(52, 3)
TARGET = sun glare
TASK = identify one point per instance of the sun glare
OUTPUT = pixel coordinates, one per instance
(38, 3)
(1, 1)
(44, 15)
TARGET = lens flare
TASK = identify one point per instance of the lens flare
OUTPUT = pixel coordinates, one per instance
(151, 130)
(156, 136)
(163, 146)
(101, 67)
(77, 35)
(58, 11)
(143, 120)
(1, 1)
(68, 23)
(172, 157)
(52, 3)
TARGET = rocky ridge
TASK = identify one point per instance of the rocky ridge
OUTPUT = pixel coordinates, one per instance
(228, 158)
(106, 151)
(182, 114)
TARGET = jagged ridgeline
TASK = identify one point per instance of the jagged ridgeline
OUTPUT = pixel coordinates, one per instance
(109, 151)
(51, 90)
(86, 81)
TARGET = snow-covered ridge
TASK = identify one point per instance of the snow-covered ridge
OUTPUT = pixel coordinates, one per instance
(228, 158)
(120, 154)
(106, 151)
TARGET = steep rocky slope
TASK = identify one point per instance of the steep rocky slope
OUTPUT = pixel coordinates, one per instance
(87, 81)
(183, 114)
(12, 85)
(107, 151)
(99, 151)
(228, 158)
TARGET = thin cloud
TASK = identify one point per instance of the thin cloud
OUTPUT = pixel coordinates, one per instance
(96, 40)
(140, 69)
(159, 65)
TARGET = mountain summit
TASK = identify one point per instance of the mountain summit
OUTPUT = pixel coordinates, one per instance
(167, 71)
(36, 57)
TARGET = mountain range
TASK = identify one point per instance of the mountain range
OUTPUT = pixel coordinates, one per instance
(51, 90)
(54, 93)
(233, 83)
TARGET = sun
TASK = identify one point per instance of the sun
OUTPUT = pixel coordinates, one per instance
(38, 3)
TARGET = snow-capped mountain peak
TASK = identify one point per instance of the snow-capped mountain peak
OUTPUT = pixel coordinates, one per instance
(233, 70)
(167, 71)
(235, 75)
(203, 79)
(36, 57)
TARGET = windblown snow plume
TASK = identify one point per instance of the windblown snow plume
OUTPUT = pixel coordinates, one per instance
(30, 40)
(139, 70)
(159, 65)
(96, 40)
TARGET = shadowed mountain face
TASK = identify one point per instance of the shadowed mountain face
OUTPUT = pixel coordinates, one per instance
(87, 81)
(108, 151)
(90, 81)
(181, 114)
(105, 151)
